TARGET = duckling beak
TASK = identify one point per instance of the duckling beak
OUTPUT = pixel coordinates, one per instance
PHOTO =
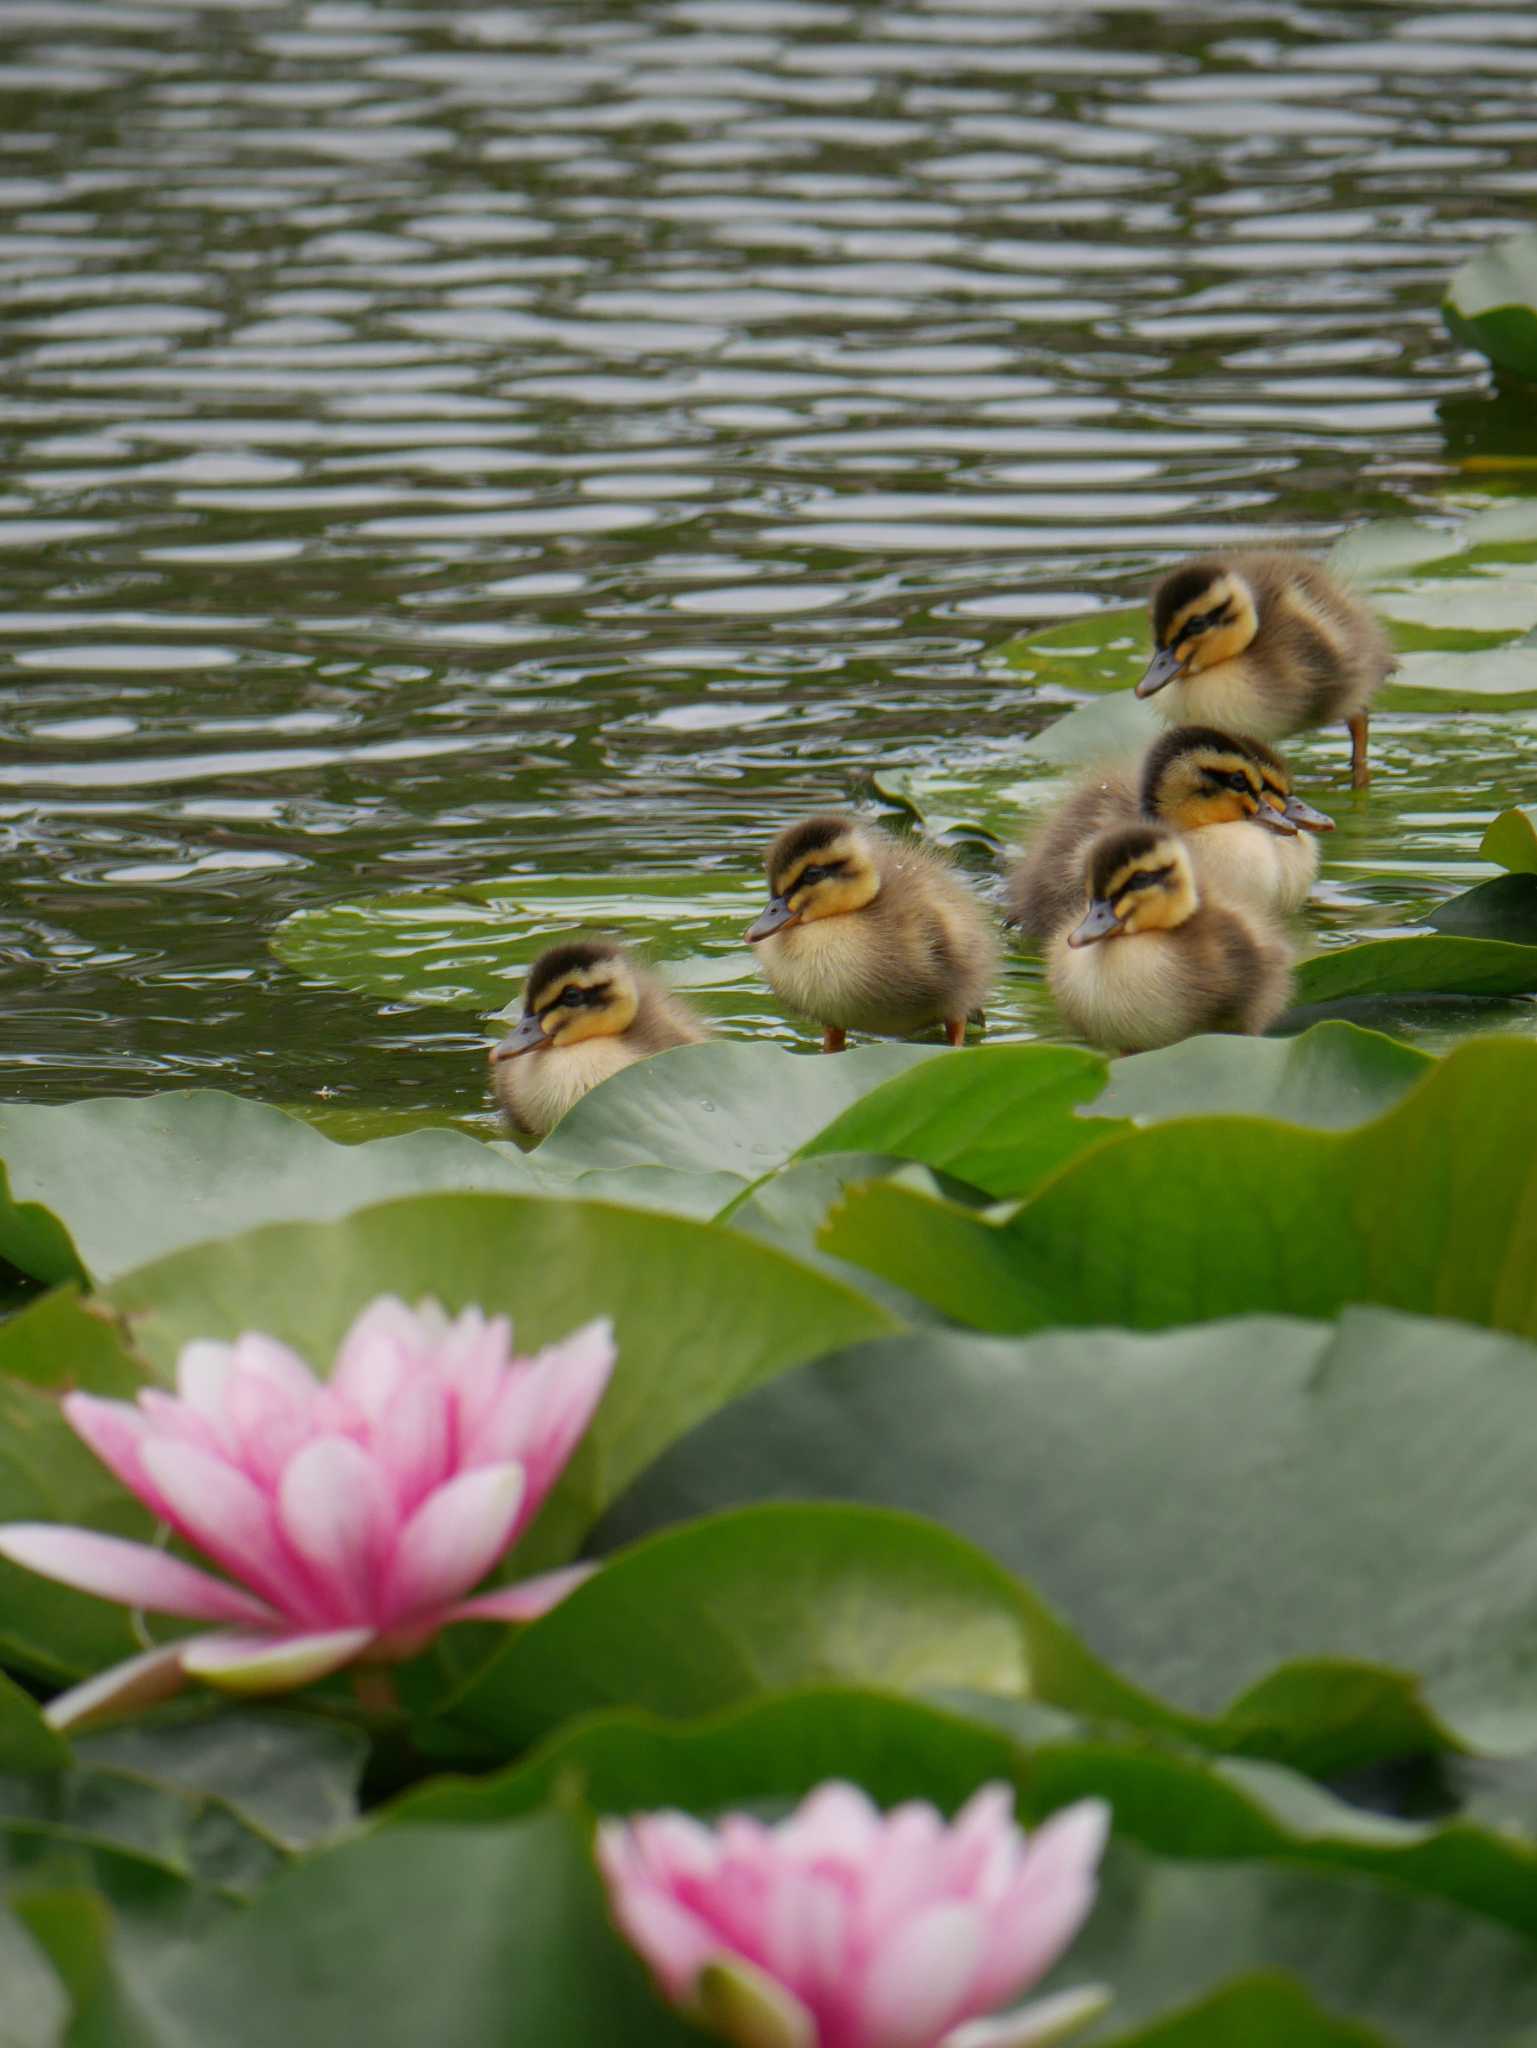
(1163, 668)
(1304, 815)
(773, 919)
(527, 1037)
(1275, 821)
(1100, 923)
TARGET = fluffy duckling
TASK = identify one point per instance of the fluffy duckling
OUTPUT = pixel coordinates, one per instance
(1232, 796)
(1265, 643)
(1252, 840)
(1150, 962)
(865, 932)
(589, 1009)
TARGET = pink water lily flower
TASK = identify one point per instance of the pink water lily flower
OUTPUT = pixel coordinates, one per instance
(352, 1516)
(842, 1927)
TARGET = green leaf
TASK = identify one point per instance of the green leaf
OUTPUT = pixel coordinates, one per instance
(1496, 678)
(1385, 550)
(97, 1187)
(491, 1938)
(67, 1340)
(1171, 1799)
(27, 1743)
(1430, 1208)
(290, 1777)
(1107, 650)
(48, 1475)
(35, 2009)
(720, 1108)
(1332, 1077)
(1491, 304)
(1505, 909)
(723, 1611)
(1511, 840)
(1305, 1542)
(699, 1314)
(1419, 966)
(1000, 1117)
(472, 946)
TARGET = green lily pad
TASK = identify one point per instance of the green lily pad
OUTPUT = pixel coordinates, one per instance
(1358, 1499)
(1000, 1117)
(1170, 1798)
(719, 1108)
(745, 1604)
(1106, 650)
(1491, 304)
(97, 1187)
(1427, 1208)
(458, 1937)
(1331, 1077)
(1505, 908)
(1492, 677)
(1418, 965)
(472, 946)
(1511, 840)
(1487, 606)
(699, 1314)
(1383, 551)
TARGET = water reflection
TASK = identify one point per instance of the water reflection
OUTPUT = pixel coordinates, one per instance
(443, 442)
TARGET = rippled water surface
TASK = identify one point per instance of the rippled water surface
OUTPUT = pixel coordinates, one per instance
(444, 444)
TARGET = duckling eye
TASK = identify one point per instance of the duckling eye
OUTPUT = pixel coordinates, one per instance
(584, 998)
(818, 874)
(1239, 781)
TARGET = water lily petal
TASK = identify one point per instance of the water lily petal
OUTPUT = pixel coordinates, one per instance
(413, 1439)
(220, 1511)
(526, 1600)
(338, 1511)
(262, 1663)
(141, 1682)
(114, 1569)
(380, 1349)
(203, 1370)
(454, 1538)
(117, 1433)
(920, 1977)
(1036, 2025)
(545, 1407)
(675, 1942)
(1048, 1901)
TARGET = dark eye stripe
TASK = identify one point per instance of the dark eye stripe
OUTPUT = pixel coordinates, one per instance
(576, 997)
(1143, 878)
(1219, 615)
(819, 873)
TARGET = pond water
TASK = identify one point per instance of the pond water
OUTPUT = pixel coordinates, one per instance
(552, 446)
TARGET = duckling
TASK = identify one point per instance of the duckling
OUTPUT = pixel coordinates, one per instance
(589, 1009)
(1265, 643)
(1252, 840)
(1232, 796)
(1177, 965)
(865, 932)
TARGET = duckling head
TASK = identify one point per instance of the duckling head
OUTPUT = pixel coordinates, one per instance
(1279, 794)
(1203, 613)
(1139, 880)
(585, 989)
(1196, 776)
(823, 867)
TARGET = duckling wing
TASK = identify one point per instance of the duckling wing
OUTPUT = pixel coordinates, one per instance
(1242, 966)
(1325, 650)
(1045, 886)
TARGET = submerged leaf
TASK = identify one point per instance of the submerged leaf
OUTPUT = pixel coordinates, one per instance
(1491, 304)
